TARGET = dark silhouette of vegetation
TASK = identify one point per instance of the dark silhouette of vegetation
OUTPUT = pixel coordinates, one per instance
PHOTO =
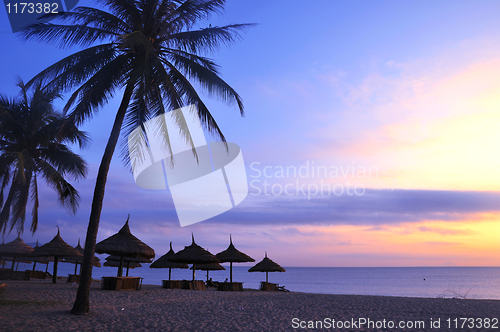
(33, 143)
(150, 52)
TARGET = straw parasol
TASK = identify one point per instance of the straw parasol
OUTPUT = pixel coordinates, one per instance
(130, 261)
(14, 249)
(194, 254)
(266, 265)
(163, 263)
(79, 260)
(41, 260)
(124, 244)
(231, 254)
(130, 265)
(57, 248)
(208, 267)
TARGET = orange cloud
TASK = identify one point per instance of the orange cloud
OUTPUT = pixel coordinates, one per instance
(430, 243)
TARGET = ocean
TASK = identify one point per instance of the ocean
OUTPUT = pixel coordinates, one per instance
(431, 282)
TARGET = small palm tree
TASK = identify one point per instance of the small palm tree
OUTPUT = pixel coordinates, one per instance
(33, 138)
(149, 51)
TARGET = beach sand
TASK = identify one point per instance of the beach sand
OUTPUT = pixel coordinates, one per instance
(38, 305)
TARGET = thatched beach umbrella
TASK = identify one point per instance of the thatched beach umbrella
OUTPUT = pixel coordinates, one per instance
(129, 261)
(17, 260)
(266, 265)
(57, 248)
(113, 263)
(41, 260)
(79, 260)
(124, 244)
(233, 255)
(164, 262)
(194, 254)
(208, 267)
(14, 249)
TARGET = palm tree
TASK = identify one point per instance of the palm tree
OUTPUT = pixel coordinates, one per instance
(149, 51)
(33, 138)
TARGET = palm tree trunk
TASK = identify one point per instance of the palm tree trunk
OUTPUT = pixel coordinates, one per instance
(81, 306)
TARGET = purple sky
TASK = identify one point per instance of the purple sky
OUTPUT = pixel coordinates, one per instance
(406, 89)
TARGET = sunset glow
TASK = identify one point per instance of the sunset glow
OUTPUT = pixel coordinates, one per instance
(393, 107)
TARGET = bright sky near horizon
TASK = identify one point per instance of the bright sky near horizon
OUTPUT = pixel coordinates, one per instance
(393, 108)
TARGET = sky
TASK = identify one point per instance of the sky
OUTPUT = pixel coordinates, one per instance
(370, 137)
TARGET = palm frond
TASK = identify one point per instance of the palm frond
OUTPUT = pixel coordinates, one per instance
(208, 39)
(96, 18)
(208, 78)
(67, 195)
(191, 11)
(64, 160)
(98, 89)
(19, 205)
(5, 177)
(126, 10)
(190, 96)
(76, 68)
(65, 36)
(6, 208)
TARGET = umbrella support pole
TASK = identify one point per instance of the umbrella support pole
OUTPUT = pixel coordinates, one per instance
(231, 271)
(120, 268)
(54, 277)
(169, 273)
(267, 280)
(34, 265)
(194, 269)
(13, 263)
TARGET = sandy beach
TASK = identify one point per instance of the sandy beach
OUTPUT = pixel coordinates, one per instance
(38, 305)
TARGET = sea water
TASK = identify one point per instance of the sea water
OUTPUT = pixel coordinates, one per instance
(432, 282)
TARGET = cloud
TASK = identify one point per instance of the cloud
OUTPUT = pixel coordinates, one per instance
(426, 124)
(446, 231)
(375, 207)
(442, 243)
